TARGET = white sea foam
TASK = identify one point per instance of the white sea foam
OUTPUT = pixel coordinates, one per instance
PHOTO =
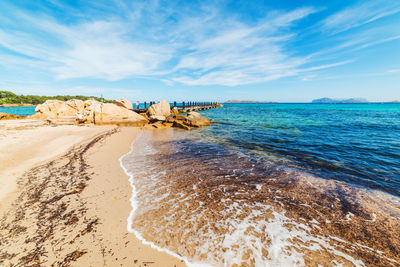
(134, 204)
(233, 245)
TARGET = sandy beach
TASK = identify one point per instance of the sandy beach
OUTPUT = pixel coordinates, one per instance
(65, 199)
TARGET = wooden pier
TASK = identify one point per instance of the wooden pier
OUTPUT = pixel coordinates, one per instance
(181, 106)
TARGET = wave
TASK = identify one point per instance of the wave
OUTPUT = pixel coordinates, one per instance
(134, 206)
(207, 205)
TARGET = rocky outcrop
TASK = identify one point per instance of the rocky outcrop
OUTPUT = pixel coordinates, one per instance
(181, 124)
(124, 103)
(191, 120)
(6, 116)
(157, 118)
(112, 114)
(54, 109)
(194, 119)
(161, 109)
(174, 111)
(89, 111)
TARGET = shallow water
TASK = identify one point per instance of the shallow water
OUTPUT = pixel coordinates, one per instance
(357, 143)
(21, 111)
(199, 197)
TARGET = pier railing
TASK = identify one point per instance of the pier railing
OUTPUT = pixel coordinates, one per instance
(141, 107)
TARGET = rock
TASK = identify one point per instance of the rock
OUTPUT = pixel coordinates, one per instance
(180, 124)
(158, 124)
(6, 116)
(109, 113)
(124, 103)
(180, 117)
(157, 118)
(35, 116)
(90, 107)
(170, 119)
(194, 119)
(80, 118)
(54, 109)
(168, 124)
(148, 127)
(194, 114)
(174, 111)
(160, 109)
(76, 105)
(89, 111)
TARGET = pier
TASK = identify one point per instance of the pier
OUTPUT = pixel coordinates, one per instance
(181, 106)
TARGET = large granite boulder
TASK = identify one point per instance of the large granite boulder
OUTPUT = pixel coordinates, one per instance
(54, 109)
(124, 103)
(89, 111)
(157, 118)
(161, 109)
(194, 119)
(76, 105)
(112, 114)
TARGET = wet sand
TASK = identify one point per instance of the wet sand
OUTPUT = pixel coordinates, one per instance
(235, 210)
(71, 207)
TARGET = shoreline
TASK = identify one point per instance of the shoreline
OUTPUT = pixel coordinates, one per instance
(73, 210)
(134, 207)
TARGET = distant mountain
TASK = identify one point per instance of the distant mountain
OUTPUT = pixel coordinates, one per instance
(248, 101)
(327, 100)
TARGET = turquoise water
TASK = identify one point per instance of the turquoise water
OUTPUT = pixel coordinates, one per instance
(356, 143)
(21, 111)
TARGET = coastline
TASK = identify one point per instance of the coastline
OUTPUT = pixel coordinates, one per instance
(72, 209)
(134, 207)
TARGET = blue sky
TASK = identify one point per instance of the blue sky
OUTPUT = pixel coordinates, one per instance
(291, 51)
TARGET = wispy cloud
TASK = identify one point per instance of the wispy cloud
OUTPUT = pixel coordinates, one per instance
(358, 14)
(121, 40)
(200, 50)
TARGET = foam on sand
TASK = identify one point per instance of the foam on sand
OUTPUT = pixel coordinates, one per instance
(208, 206)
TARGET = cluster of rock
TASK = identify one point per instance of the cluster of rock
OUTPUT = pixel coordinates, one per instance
(93, 112)
(89, 111)
(162, 116)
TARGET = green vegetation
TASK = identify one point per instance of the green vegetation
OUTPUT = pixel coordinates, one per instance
(7, 97)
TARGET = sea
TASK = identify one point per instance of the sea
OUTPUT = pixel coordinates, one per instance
(272, 185)
(21, 111)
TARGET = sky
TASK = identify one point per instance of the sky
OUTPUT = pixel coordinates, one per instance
(287, 51)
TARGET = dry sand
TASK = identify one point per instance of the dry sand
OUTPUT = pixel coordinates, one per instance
(22, 149)
(71, 201)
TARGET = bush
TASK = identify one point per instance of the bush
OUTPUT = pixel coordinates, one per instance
(7, 97)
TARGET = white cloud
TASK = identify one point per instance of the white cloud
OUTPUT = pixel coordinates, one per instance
(359, 14)
(393, 71)
(202, 49)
